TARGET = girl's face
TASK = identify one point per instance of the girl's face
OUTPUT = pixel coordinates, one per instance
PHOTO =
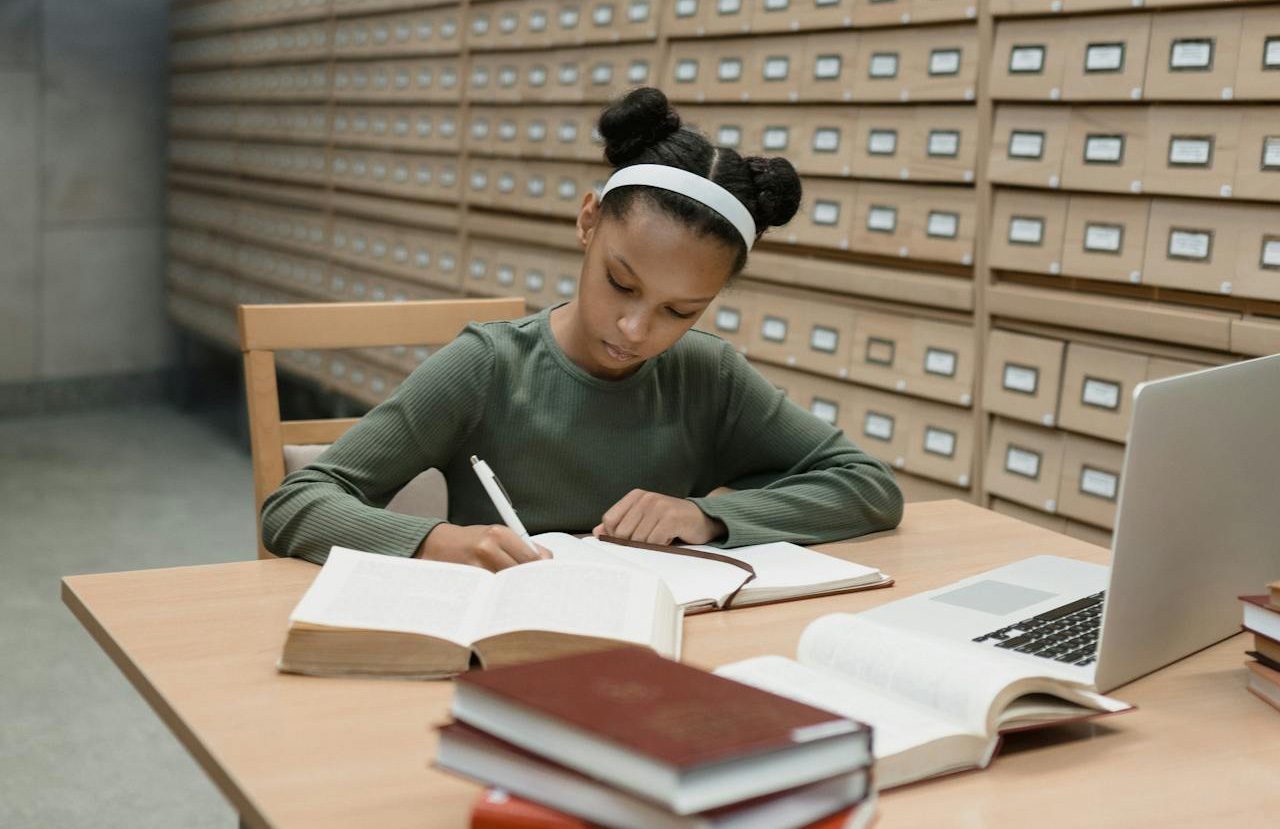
(645, 281)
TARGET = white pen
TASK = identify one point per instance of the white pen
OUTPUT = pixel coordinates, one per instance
(498, 495)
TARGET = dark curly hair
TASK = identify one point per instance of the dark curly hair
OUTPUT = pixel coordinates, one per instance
(642, 128)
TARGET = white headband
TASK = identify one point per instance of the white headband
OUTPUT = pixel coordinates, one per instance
(688, 184)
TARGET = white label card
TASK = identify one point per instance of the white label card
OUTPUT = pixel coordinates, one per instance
(638, 11)
(729, 136)
(776, 68)
(1026, 144)
(508, 23)
(776, 138)
(944, 143)
(1022, 462)
(824, 339)
(882, 142)
(826, 212)
(537, 130)
(728, 319)
(567, 189)
(883, 65)
(1104, 57)
(1103, 238)
(944, 61)
(534, 280)
(943, 225)
(1100, 393)
(1271, 152)
(940, 361)
(686, 8)
(1026, 59)
(638, 72)
(730, 69)
(568, 18)
(686, 71)
(1271, 54)
(538, 76)
(777, 5)
(1026, 231)
(939, 441)
(1024, 379)
(825, 410)
(774, 329)
(878, 426)
(602, 73)
(1191, 54)
(602, 15)
(1194, 152)
(1099, 483)
(568, 132)
(728, 6)
(1104, 149)
(568, 74)
(537, 21)
(826, 139)
(1189, 244)
(506, 275)
(826, 67)
(884, 219)
(1271, 253)
(566, 286)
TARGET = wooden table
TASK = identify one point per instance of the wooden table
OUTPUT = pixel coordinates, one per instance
(200, 644)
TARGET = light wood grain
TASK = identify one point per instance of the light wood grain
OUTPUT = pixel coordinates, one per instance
(200, 644)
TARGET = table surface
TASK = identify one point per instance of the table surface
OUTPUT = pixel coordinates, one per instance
(200, 644)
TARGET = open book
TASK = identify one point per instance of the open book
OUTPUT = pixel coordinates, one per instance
(707, 578)
(935, 706)
(375, 614)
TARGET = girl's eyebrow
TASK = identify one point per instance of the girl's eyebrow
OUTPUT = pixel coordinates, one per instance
(635, 275)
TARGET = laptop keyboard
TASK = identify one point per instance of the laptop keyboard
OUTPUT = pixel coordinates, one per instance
(1065, 634)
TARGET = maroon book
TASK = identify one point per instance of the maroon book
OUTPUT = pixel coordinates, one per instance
(670, 732)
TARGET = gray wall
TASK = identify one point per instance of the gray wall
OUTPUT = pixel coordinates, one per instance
(82, 109)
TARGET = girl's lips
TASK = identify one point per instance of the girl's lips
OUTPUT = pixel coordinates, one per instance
(619, 354)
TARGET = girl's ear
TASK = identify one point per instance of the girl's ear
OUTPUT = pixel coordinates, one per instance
(588, 218)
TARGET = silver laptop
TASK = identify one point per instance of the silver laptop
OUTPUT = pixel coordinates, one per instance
(1197, 524)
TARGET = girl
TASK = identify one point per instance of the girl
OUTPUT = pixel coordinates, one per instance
(606, 414)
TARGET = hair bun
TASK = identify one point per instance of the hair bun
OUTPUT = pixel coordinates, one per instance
(635, 123)
(777, 190)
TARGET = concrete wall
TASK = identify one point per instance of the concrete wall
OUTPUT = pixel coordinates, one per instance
(82, 109)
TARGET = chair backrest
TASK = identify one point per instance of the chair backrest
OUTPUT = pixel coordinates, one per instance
(266, 329)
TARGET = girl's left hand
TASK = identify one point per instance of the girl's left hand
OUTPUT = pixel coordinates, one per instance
(658, 519)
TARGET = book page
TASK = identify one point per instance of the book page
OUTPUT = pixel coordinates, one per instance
(380, 592)
(691, 580)
(567, 597)
(785, 566)
(899, 723)
(959, 683)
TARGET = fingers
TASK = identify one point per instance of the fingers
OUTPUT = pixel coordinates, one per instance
(615, 513)
(499, 548)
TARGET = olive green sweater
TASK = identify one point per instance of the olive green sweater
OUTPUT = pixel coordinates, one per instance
(568, 445)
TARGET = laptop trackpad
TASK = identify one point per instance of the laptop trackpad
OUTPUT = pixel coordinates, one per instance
(995, 597)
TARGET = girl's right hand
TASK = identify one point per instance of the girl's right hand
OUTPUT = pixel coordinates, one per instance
(493, 546)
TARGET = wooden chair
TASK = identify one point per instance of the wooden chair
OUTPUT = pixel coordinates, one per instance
(266, 329)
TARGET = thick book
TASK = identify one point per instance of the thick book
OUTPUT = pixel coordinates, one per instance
(497, 809)
(670, 733)
(1267, 647)
(1261, 617)
(1264, 683)
(1274, 590)
(487, 759)
(709, 578)
(412, 618)
(936, 706)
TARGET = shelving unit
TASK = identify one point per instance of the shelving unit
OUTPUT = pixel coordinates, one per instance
(1013, 212)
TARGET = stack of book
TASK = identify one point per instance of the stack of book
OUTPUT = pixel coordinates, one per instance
(625, 738)
(1262, 619)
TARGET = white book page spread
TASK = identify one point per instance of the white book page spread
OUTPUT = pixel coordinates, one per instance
(586, 599)
(378, 592)
(783, 565)
(691, 580)
(899, 723)
(959, 683)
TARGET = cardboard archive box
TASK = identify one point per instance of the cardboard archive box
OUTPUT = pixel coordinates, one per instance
(1028, 145)
(1023, 376)
(1024, 464)
(1097, 390)
(1027, 230)
(1106, 238)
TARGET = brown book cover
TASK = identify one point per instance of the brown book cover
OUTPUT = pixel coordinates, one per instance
(495, 809)
(675, 714)
(1274, 587)
(1266, 646)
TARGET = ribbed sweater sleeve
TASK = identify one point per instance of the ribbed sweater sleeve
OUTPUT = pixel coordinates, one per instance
(339, 499)
(798, 478)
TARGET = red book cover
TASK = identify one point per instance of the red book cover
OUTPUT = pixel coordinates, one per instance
(495, 809)
(675, 714)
